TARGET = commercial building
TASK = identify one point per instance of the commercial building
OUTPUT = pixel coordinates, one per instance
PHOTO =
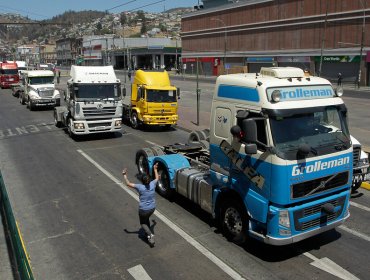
(324, 37)
(145, 53)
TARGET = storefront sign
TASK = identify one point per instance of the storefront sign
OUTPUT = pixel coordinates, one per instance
(260, 59)
(345, 58)
(302, 59)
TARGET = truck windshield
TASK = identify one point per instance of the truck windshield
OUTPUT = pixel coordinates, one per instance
(97, 91)
(153, 95)
(324, 129)
(41, 80)
(9, 71)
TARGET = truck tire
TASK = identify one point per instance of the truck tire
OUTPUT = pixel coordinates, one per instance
(356, 186)
(69, 127)
(142, 160)
(29, 105)
(134, 120)
(21, 98)
(163, 185)
(234, 221)
(56, 121)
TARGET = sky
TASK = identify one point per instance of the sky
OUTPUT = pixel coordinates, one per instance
(46, 9)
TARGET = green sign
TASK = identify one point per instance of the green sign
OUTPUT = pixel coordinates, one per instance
(344, 58)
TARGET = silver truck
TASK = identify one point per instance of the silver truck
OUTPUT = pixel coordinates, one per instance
(93, 101)
(37, 90)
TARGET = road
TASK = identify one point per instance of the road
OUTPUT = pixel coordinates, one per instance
(79, 222)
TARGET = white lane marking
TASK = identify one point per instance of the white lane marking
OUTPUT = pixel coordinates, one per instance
(139, 273)
(331, 267)
(151, 143)
(227, 269)
(356, 233)
(360, 206)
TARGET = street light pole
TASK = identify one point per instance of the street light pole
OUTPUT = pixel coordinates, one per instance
(225, 40)
(362, 42)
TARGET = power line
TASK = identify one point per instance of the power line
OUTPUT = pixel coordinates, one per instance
(121, 5)
(150, 4)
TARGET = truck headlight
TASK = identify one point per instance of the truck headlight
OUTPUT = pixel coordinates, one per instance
(284, 218)
(79, 125)
(118, 123)
(56, 94)
(34, 95)
(284, 221)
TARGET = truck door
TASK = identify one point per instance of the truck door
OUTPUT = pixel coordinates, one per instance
(141, 99)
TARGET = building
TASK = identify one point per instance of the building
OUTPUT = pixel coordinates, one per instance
(145, 53)
(68, 50)
(324, 37)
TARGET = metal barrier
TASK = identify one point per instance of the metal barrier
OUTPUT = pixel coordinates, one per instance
(19, 250)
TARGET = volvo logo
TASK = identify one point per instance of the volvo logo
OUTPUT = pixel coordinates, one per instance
(99, 106)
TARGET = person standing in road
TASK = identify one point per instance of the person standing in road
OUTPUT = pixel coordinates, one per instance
(147, 201)
(339, 79)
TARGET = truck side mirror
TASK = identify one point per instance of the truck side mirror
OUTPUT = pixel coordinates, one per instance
(178, 93)
(124, 92)
(249, 127)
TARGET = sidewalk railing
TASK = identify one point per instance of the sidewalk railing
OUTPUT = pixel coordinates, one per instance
(22, 259)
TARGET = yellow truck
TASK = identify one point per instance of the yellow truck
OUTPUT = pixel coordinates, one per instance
(153, 100)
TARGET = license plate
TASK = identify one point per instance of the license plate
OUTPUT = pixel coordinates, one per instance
(11, 80)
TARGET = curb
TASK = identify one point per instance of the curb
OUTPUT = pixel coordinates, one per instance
(365, 185)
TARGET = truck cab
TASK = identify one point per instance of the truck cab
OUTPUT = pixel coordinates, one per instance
(38, 90)
(93, 101)
(8, 74)
(153, 100)
(280, 160)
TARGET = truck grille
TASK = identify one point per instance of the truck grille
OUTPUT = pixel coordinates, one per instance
(322, 220)
(99, 124)
(98, 112)
(356, 155)
(302, 189)
(46, 92)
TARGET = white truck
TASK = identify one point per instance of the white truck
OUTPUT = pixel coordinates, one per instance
(361, 172)
(93, 101)
(37, 90)
(279, 163)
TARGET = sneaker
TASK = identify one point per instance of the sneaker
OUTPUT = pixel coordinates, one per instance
(151, 240)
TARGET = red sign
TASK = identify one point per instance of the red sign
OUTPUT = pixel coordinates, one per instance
(368, 57)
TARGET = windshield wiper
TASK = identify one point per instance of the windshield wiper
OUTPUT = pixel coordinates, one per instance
(321, 185)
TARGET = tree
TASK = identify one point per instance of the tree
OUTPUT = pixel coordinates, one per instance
(123, 18)
(99, 26)
(143, 29)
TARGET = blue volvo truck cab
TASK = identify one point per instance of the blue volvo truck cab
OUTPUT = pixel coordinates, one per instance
(276, 163)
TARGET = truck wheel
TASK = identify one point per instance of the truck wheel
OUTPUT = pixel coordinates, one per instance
(21, 99)
(56, 122)
(70, 124)
(142, 161)
(234, 221)
(30, 106)
(134, 120)
(163, 185)
(356, 186)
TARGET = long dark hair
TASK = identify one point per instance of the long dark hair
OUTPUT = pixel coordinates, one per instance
(145, 179)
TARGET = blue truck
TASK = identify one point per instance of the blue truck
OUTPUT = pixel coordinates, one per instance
(276, 163)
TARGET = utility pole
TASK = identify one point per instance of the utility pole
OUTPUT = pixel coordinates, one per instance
(362, 42)
(225, 41)
(323, 38)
